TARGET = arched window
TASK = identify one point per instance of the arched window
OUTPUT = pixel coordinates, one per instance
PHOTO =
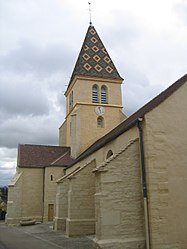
(109, 154)
(95, 94)
(100, 122)
(104, 97)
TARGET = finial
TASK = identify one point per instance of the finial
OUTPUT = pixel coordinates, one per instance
(90, 13)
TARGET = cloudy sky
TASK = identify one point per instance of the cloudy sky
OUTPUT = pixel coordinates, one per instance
(39, 44)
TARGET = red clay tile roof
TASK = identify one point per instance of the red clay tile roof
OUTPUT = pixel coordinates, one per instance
(63, 160)
(132, 120)
(39, 156)
(93, 59)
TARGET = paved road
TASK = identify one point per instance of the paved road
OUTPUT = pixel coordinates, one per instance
(40, 236)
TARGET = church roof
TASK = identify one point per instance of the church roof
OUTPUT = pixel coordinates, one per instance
(93, 59)
(64, 160)
(40, 156)
(132, 120)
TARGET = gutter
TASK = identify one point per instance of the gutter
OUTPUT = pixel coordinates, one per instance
(144, 183)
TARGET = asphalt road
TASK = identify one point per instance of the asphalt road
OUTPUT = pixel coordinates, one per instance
(40, 236)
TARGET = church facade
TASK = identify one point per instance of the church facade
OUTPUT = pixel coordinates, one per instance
(120, 179)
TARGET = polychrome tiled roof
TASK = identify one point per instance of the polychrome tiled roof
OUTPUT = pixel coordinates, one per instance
(94, 59)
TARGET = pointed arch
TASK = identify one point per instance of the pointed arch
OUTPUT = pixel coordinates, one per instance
(95, 94)
(104, 95)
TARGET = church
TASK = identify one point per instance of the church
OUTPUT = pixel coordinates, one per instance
(121, 179)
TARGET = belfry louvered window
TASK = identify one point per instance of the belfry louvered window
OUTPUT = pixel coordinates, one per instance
(95, 94)
(104, 97)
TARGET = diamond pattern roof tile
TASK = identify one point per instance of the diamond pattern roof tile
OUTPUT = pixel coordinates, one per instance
(94, 60)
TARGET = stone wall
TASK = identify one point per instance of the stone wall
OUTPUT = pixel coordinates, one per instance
(32, 193)
(14, 200)
(84, 86)
(166, 165)
(81, 208)
(82, 118)
(25, 198)
(119, 201)
(52, 174)
(61, 205)
(63, 134)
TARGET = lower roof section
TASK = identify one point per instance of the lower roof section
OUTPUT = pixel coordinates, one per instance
(40, 156)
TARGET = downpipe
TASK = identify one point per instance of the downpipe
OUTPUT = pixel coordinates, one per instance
(144, 183)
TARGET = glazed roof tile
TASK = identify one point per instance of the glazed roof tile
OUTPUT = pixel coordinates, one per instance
(93, 59)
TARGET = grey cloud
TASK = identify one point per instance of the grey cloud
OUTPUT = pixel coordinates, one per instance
(7, 155)
(22, 96)
(137, 90)
(35, 59)
(7, 165)
(30, 75)
(29, 129)
(125, 29)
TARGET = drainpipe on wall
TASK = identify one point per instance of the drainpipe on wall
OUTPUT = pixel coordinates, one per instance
(43, 198)
(144, 183)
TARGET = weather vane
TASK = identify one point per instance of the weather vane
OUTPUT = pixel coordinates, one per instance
(90, 13)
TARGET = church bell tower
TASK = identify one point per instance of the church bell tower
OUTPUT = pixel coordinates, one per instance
(93, 97)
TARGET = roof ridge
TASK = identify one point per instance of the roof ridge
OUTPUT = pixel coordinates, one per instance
(60, 157)
(110, 159)
(43, 145)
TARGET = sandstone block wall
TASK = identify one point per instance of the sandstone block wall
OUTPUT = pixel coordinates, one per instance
(84, 86)
(63, 134)
(81, 208)
(32, 193)
(25, 198)
(119, 201)
(166, 164)
(14, 200)
(52, 174)
(61, 205)
(82, 118)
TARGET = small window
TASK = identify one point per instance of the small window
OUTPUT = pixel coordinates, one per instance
(95, 95)
(100, 122)
(51, 177)
(104, 98)
(109, 154)
(71, 101)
